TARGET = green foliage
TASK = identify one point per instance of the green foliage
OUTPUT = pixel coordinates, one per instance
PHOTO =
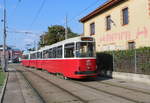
(2, 77)
(55, 34)
(124, 60)
(145, 68)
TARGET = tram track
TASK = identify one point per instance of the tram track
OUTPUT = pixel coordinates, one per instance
(107, 92)
(111, 93)
(84, 101)
(30, 85)
(134, 90)
(77, 97)
(91, 87)
(97, 89)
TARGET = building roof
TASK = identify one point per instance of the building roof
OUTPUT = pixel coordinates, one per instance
(8, 48)
(101, 9)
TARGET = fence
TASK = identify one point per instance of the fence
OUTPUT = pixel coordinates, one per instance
(129, 61)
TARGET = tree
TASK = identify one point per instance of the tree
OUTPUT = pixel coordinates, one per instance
(55, 34)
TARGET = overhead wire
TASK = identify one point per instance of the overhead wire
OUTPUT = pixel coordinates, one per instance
(15, 8)
(85, 9)
(38, 13)
(13, 13)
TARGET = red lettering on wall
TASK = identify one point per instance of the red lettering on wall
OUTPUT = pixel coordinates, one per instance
(142, 32)
(149, 6)
(125, 35)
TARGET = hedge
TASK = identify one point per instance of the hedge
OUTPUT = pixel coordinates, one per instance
(130, 61)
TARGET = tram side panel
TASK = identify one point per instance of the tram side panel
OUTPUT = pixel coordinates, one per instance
(72, 68)
(33, 63)
(39, 64)
(68, 67)
(25, 63)
(61, 66)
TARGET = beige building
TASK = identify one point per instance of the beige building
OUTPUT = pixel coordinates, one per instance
(119, 25)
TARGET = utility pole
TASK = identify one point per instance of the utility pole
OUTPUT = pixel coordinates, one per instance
(4, 41)
(66, 28)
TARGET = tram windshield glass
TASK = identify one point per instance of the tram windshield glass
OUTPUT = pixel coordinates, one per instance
(85, 49)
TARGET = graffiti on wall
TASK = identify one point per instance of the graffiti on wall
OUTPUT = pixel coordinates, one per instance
(149, 6)
(125, 35)
(142, 32)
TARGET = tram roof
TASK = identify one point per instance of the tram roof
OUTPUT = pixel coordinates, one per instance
(70, 40)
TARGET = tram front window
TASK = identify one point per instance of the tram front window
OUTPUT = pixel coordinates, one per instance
(85, 49)
(69, 50)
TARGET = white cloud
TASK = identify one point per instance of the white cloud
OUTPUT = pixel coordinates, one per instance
(28, 41)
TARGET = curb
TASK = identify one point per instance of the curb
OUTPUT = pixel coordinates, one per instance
(4, 87)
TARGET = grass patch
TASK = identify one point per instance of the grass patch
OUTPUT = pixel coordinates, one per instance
(2, 77)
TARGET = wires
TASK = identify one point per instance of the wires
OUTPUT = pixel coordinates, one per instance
(16, 7)
(38, 13)
(80, 13)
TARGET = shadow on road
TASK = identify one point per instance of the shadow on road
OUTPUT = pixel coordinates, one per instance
(98, 78)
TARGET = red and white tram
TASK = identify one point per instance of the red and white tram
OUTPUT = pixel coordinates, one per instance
(72, 58)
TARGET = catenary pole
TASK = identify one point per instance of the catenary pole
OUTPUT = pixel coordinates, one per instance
(66, 28)
(4, 40)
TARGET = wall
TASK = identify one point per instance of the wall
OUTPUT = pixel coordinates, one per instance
(118, 37)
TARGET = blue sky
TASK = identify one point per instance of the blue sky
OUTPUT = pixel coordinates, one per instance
(24, 16)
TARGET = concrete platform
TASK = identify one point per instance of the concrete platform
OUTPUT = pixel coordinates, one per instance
(18, 90)
(2, 88)
(132, 77)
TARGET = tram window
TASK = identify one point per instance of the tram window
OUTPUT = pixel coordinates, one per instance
(45, 55)
(85, 49)
(37, 55)
(69, 50)
(33, 56)
(25, 57)
(50, 53)
(54, 53)
(59, 52)
(41, 55)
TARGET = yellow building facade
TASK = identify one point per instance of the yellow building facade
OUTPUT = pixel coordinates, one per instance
(119, 25)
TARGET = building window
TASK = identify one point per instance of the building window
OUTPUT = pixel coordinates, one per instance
(108, 22)
(131, 45)
(125, 16)
(92, 28)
